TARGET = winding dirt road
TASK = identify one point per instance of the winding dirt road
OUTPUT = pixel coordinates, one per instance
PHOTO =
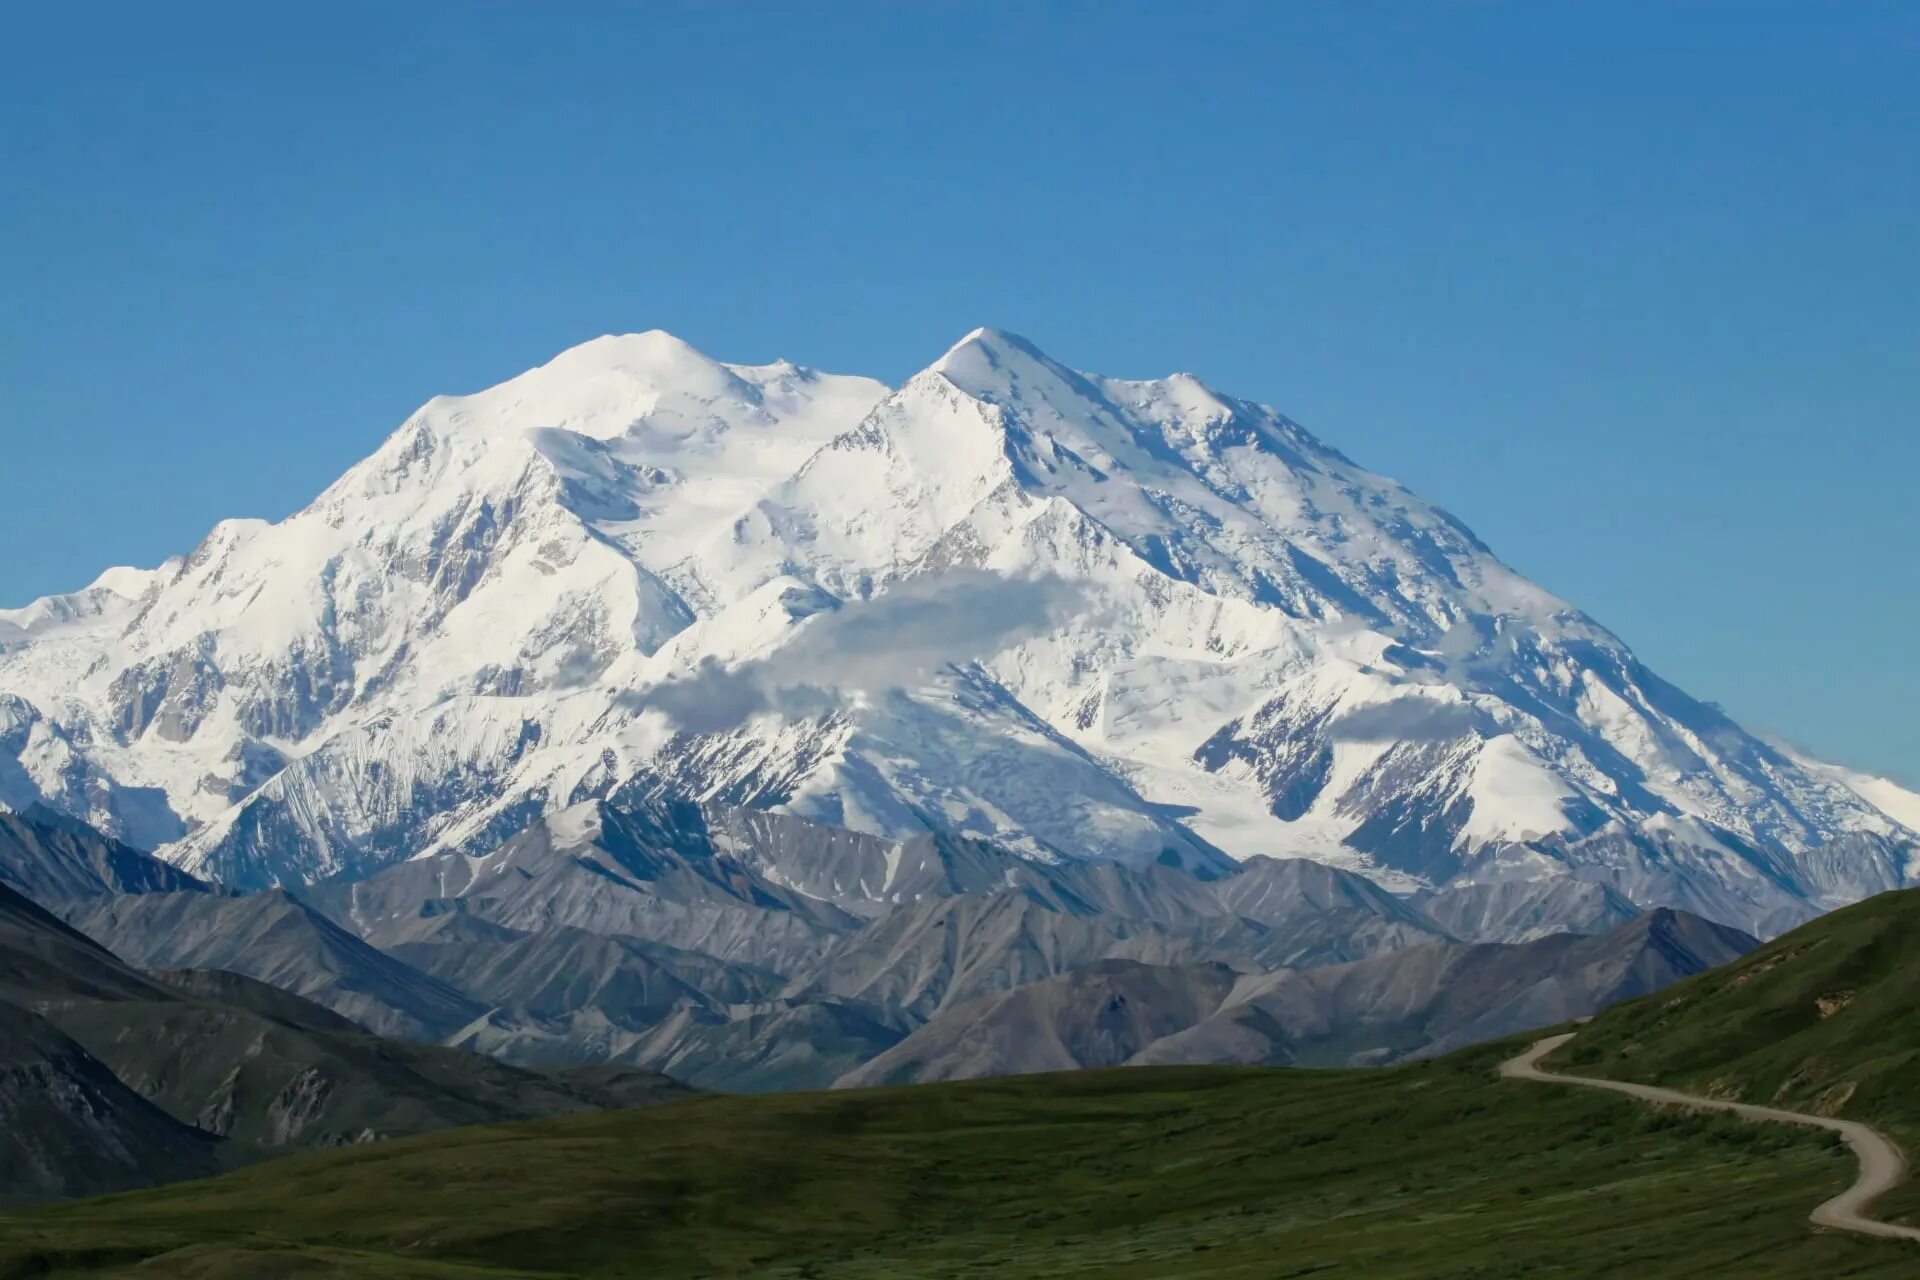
(1881, 1165)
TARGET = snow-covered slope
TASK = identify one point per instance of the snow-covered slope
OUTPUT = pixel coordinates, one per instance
(1085, 617)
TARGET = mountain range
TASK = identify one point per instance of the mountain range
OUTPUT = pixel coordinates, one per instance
(669, 939)
(1079, 617)
(112, 1078)
(1417, 1002)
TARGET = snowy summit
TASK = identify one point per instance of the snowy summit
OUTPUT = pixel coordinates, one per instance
(1083, 616)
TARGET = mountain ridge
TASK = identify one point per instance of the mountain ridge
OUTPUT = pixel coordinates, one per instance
(113, 1078)
(1189, 627)
(676, 938)
(1420, 1001)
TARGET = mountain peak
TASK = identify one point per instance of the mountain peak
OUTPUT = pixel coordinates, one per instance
(1188, 626)
(1003, 369)
(652, 356)
(997, 366)
(989, 355)
(989, 337)
(654, 342)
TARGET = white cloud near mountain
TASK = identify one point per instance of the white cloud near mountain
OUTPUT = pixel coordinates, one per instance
(898, 639)
(1409, 719)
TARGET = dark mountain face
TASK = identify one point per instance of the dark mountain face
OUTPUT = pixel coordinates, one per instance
(111, 1078)
(55, 860)
(43, 961)
(690, 941)
(265, 1070)
(695, 943)
(946, 951)
(279, 940)
(70, 1127)
(1102, 1015)
(1432, 999)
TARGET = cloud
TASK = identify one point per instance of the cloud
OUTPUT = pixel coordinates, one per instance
(714, 699)
(1411, 719)
(578, 666)
(898, 639)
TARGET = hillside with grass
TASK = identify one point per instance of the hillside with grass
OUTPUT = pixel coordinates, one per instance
(1429, 1170)
(1824, 1019)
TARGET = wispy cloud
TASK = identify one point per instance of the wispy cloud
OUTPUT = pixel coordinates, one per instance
(898, 639)
(1410, 719)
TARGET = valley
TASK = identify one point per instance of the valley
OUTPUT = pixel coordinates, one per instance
(1430, 1170)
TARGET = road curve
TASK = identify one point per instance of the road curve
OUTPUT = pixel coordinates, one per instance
(1881, 1165)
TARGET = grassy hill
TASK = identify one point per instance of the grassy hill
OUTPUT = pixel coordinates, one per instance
(1430, 1170)
(1825, 1019)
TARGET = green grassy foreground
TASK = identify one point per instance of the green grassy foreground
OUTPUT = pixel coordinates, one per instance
(1434, 1170)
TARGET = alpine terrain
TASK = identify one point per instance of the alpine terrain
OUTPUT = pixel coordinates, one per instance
(1084, 618)
(111, 1078)
(736, 949)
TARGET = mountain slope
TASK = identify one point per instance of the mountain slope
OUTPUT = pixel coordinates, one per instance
(1521, 910)
(43, 960)
(280, 941)
(945, 951)
(629, 871)
(1415, 1002)
(1101, 1015)
(568, 995)
(55, 860)
(1825, 1019)
(1079, 616)
(1433, 999)
(558, 933)
(247, 1063)
(111, 1078)
(70, 1127)
(1319, 915)
(776, 1045)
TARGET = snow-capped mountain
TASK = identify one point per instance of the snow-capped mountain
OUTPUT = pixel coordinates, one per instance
(1082, 616)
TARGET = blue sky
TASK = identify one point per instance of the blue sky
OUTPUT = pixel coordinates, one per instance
(1633, 290)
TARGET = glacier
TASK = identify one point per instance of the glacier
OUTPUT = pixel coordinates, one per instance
(1082, 617)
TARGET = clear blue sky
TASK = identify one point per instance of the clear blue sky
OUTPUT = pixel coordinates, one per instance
(1633, 289)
